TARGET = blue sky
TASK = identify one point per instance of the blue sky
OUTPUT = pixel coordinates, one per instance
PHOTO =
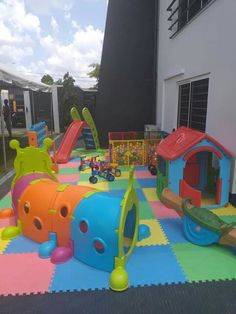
(52, 36)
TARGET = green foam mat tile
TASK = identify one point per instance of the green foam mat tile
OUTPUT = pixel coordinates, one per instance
(122, 184)
(228, 219)
(84, 176)
(5, 202)
(68, 170)
(146, 211)
(205, 263)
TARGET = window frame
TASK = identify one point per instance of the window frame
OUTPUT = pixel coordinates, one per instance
(190, 101)
(175, 8)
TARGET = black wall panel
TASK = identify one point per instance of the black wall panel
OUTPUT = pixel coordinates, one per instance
(127, 86)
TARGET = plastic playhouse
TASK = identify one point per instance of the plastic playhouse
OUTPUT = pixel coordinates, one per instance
(97, 228)
(194, 165)
(133, 148)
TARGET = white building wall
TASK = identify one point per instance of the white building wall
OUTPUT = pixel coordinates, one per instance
(206, 47)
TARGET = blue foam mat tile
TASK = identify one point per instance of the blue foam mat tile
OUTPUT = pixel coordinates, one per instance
(74, 275)
(75, 159)
(154, 265)
(141, 196)
(173, 228)
(121, 193)
(141, 168)
(21, 245)
(118, 192)
(148, 182)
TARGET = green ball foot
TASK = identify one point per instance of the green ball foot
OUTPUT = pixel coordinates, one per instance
(119, 279)
(10, 233)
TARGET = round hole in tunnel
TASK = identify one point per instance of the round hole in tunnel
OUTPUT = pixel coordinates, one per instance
(83, 226)
(38, 224)
(99, 246)
(26, 207)
(64, 211)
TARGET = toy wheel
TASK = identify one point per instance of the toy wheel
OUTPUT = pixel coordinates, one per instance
(110, 177)
(117, 173)
(93, 166)
(152, 169)
(197, 234)
(81, 168)
(93, 179)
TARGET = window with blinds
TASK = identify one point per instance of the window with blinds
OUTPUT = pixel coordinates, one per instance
(192, 108)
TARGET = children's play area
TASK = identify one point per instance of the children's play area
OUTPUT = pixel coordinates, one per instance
(78, 219)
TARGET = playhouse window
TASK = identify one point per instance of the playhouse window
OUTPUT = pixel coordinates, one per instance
(192, 110)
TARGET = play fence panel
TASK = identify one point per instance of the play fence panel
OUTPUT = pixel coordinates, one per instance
(133, 148)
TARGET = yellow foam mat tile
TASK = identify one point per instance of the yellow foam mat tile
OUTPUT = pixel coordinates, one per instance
(151, 194)
(88, 170)
(225, 211)
(102, 186)
(124, 175)
(157, 237)
(3, 243)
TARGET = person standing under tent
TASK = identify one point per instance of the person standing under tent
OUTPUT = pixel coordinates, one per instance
(7, 116)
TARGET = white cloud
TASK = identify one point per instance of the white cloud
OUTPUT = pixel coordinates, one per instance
(14, 12)
(54, 25)
(67, 15)
(16, 30)
(76, 56)
(46, 6)
(21, 37)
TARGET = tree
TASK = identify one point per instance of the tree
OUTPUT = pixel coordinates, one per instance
(47, 79)
(95, 72)
(59, 82)
(68, 98)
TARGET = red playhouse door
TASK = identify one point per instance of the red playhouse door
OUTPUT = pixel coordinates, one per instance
(218, 190)
(186, 191)
(192, 171)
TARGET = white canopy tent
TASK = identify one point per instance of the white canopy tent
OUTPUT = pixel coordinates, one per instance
(12, 77)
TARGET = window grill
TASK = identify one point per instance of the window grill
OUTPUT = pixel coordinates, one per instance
(182, 11)
(193, 104)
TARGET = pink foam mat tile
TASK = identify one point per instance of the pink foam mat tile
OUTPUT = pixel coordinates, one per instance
(161, 211)
(70, 164)
(143, 174)
(24, 274)
(64, 178)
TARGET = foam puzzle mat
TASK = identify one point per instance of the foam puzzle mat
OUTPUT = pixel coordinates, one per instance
(166, 257)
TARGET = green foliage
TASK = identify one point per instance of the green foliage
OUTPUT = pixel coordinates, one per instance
(68, 97)
(47, 79)
(59, 82)
(95, 72)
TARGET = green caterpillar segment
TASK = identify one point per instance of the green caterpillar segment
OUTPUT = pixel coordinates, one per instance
(89, 120)
(31, 159)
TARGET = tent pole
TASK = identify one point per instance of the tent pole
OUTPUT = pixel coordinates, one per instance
(3, 138)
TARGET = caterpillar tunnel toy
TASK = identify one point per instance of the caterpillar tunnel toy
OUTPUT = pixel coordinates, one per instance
(97, 228)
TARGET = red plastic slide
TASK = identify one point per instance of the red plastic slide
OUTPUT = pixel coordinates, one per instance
(69, 141)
